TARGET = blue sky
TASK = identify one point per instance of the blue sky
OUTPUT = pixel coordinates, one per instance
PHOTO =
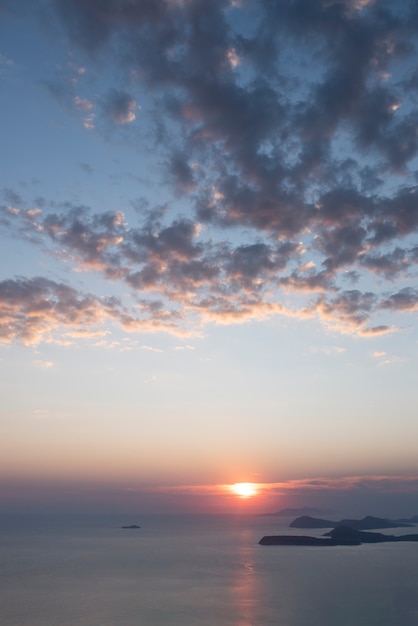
(209, 251)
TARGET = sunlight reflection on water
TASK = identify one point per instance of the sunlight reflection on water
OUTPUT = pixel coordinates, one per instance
(245, 587)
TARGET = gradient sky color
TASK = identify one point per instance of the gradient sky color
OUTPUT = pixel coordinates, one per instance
(209, 218)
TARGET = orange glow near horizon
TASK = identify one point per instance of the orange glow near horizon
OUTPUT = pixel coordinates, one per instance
(244, 490)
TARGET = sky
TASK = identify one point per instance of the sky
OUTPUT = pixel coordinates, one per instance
(208, 260)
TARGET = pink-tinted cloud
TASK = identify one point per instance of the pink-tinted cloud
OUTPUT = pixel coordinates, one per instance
(31, 310)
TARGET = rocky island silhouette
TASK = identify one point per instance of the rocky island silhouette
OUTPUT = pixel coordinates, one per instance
(349, 532)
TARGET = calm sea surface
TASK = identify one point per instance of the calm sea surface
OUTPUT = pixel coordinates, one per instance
(203, 570)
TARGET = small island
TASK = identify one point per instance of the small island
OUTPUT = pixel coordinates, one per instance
(131, 526)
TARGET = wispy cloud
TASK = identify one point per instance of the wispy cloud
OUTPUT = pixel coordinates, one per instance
(376, 483)
(151, 349)
(43, 364)
(82, 104)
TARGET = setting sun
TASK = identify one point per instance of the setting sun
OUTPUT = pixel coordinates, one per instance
(244, 490)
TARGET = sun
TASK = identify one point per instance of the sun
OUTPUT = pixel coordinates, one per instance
(244, 490)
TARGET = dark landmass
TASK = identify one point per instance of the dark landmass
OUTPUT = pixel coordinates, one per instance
(306, 521)
(131, 526)
(367, 523)
(340, 536)
(290, 512)
(293, 540)
(408, 520)
(345, 532)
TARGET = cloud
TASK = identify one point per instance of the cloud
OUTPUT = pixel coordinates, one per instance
(372, 483)
(329, 350)
(350, 308)
(404, 300)
(119, 107)
(32, 309)
(43, 364)
(82, 104)
(390, 264)
(190, 277)
(374, 331)
(182, 173)
(88, 122)
(286, 134)
(150, 349)
(390, 361)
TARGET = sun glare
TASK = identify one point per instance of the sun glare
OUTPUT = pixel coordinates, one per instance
(244, 490)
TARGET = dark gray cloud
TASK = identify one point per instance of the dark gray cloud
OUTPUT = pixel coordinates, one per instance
(252, 266)
(182, 173)
(404, 300)
(308, 281)
(195, 47)
(351, 308)
(390, 265)
(119, 107)
(373, 331)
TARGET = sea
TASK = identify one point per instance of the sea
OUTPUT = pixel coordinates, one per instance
(186, 570)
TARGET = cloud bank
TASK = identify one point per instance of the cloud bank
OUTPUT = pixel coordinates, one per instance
(288, 133)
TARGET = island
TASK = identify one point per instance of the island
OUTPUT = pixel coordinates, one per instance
(131, 526)
(339, 536)
(367, 523)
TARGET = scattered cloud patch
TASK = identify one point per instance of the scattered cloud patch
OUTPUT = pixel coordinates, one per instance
(119, 107)
(375, 331)
(88, 122)
(151, 349)
(328, 350)
(391, 360)
(82, 104)
(5, 63)
(43, 364)
(32, 310)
